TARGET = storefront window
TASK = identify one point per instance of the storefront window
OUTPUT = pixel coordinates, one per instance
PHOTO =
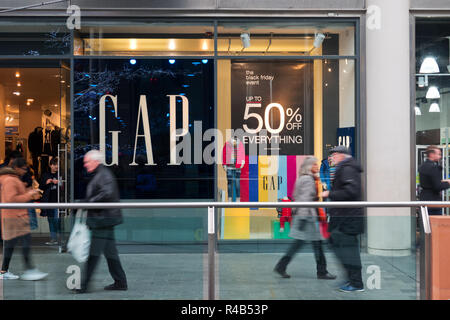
(146, 39)
(35, 110)
(33, 37)
(284, 38)
(432, 89)
(130, 108)
(274, 113)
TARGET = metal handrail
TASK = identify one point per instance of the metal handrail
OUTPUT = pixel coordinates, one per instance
(141, 205)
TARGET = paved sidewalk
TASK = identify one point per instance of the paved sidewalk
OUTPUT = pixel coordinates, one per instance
(240, 276)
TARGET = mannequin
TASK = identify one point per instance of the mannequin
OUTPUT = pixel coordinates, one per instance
(55, 140)
(35, 145)
(286, 214)
(233, 156)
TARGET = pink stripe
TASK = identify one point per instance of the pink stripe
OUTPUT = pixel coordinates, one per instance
(291, 174)
(244, 182)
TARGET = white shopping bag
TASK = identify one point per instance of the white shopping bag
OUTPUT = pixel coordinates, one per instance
(80, 238)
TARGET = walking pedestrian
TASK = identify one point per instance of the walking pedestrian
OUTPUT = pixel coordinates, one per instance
(346, 224)
(16, 222)
(102, 188)
(305, 222)
(431, 182)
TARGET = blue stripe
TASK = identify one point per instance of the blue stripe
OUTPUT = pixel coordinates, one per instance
(282, 174)
(253, 179)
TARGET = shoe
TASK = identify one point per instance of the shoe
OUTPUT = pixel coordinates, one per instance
(281, 272)
(33, 274)
(51, 243)
(350, 288)
(343, 284)
(326, 276)
(80, 291)
(8, 276)
(281, 266)
(117, 286)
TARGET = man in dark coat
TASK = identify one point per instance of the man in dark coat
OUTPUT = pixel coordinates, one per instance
(430, 176)
(102, 188)
(346, 223)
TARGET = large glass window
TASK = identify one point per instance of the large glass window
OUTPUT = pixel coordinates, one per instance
(145, 39)
(284, 38)
(34, 37)
(127, 107)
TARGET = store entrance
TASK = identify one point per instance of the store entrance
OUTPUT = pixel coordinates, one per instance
(35, 108)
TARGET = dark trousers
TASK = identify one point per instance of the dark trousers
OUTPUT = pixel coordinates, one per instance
(434, 211)
(346, 248)
(53, 222)
(321, 262)
(103, 242)
(8, 249)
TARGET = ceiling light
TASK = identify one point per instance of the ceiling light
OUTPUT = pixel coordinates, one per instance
(422, 81)
(245, 40)
(205, 45)
(171, 61)
(19, 84)
(17, 93)
(417, 110)
(433, 93)
(434, 107)
(132, 61)
(318, 40)
(30, 100)
(172, 45)
(17, 74)
(28, 103)
(133, 44)
(429, 65)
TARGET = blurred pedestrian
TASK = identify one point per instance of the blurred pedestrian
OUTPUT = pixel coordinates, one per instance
(49, 184)
(16, 222)
(346, 224)
(102, 188)
(305, 222)
(430, 177)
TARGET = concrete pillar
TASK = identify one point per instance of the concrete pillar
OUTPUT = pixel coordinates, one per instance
(388, 126)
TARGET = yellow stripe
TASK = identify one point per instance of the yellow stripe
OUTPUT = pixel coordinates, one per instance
(237, 223)
(263, 168)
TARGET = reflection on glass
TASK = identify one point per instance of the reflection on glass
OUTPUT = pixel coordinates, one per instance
(34, 39)
(151, 96)
(283, 38)
(147, 39)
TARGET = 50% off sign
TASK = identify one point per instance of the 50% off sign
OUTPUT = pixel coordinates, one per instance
(293, 117)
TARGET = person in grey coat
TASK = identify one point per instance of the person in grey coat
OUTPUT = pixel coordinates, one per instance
(305, 222)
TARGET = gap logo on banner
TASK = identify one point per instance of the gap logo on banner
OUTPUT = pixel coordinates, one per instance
(143, 120)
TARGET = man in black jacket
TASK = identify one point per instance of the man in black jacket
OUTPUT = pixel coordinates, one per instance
(346, 223)
(430, 175)
(102, 188)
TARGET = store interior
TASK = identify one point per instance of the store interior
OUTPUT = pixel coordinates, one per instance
(34, 103)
